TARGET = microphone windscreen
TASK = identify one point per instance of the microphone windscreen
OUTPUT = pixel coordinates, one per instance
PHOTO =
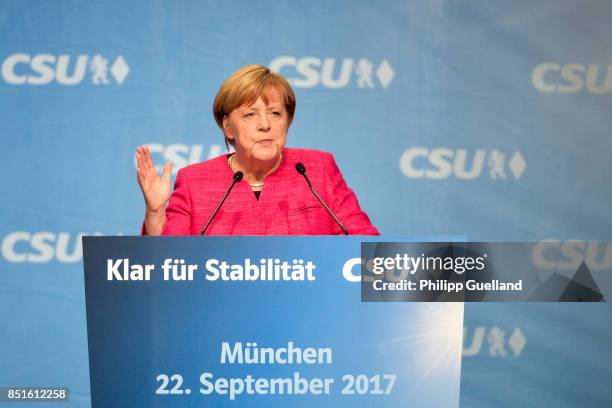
(300, 168)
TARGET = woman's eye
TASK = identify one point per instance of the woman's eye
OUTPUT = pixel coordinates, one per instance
(276, 113)
(248, 115)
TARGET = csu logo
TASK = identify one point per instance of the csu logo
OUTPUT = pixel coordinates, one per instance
(569, 255)
(309, 72)
(179, 154)
(442, 163)
(43, 69)
(41, 247)
(571, 78)
(493, 342)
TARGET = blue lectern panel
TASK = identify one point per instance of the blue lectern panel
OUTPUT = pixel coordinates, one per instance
(171, 343)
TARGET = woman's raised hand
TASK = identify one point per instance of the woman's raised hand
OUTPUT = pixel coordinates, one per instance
(155, 189)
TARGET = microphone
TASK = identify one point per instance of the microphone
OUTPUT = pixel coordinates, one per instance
(302, 170)
(237, 177)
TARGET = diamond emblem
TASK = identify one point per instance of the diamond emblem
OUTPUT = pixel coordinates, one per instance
(385, 73)
(120, 69)
(517, 164)
(517, 341)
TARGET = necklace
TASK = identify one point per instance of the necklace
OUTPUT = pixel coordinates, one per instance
(230, 161)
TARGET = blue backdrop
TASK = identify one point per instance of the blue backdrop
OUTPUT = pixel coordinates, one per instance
(490, 119)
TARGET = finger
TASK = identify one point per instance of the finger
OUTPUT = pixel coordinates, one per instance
(167, 171)
(146, 163)
(148, 157)
(139, 157)
(141, 179)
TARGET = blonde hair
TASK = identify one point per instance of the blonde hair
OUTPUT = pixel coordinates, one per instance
(245, 86)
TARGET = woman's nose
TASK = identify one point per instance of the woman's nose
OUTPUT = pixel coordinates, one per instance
(264, 122)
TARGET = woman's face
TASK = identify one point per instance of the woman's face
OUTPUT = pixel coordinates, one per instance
(259, 131)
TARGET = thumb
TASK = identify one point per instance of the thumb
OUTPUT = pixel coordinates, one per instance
(167, 171)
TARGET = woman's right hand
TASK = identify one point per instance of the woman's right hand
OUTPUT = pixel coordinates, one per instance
(155, 189)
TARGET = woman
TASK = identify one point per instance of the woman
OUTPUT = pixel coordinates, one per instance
(254, 108)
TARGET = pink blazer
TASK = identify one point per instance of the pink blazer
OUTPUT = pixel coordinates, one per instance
(285, 207)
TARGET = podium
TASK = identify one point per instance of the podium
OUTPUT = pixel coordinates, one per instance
(258, 321)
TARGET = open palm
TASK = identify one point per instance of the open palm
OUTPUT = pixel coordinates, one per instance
(155, 189)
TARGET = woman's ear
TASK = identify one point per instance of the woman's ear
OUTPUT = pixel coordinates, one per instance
(226, 128)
